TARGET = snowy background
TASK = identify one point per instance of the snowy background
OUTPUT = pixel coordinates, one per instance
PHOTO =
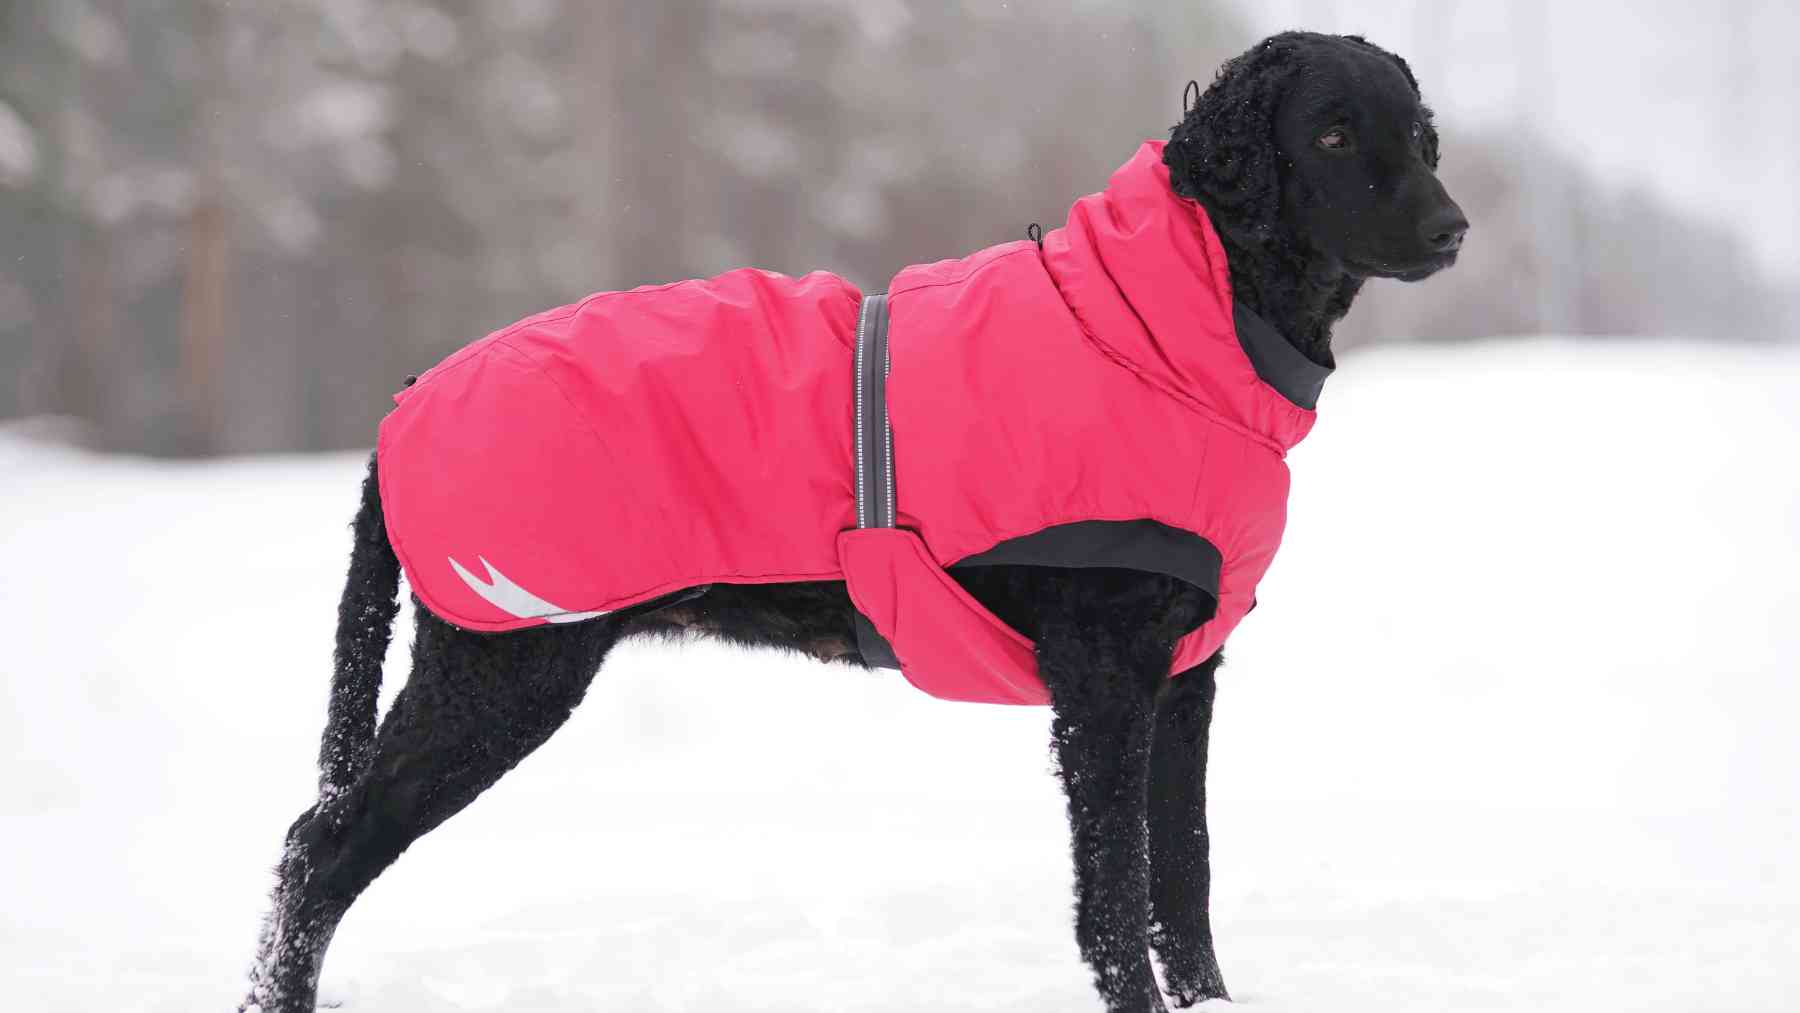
(1513, 730)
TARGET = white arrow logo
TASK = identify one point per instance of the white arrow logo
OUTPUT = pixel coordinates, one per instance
(514, 600)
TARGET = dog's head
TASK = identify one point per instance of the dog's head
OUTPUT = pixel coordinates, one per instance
(1321, 143)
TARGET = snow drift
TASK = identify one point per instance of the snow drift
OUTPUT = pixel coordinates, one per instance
(1516, 737)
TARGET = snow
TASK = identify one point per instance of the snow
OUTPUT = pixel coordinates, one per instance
(1510, 731)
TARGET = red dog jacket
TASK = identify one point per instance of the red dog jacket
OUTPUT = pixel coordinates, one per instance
(1093, 402)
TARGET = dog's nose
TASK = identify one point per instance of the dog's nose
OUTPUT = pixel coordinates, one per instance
(1444, 230)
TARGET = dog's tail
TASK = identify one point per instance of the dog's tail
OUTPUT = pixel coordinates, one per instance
(365, 625)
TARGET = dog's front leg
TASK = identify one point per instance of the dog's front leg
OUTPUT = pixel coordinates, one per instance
(1102, 684)
(1180, 876)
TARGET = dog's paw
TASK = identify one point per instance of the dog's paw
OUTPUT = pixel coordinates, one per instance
(1183, 999)
(1191, 990)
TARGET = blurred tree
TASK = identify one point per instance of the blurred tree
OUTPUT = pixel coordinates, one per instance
(236, 226)
(188, 143)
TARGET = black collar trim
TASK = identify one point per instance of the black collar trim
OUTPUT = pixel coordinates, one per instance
(1277, 363)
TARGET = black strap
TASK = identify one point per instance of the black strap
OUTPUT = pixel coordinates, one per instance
(874, 433)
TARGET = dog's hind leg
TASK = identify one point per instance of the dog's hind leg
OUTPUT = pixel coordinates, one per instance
(1180, 876)
(475, 705)
(1102, 683)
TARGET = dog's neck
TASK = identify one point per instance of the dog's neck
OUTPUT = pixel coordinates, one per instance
(1301, 295)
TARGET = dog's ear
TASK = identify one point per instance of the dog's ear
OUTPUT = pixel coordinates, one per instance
(1223, 153)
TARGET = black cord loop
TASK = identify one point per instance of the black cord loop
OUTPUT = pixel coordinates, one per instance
(1035, 233)
(1187, 102)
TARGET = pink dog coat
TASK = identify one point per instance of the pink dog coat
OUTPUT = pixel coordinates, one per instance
(1093, 402)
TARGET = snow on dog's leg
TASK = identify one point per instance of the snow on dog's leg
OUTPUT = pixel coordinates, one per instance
(365, 625)
(1180, 875)
(263, 965)
(270, 938)
(1102, 684)
(475, 705)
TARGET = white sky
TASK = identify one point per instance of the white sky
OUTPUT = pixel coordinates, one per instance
(1700, 102)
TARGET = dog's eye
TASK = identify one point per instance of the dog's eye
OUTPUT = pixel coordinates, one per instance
(1334, 139)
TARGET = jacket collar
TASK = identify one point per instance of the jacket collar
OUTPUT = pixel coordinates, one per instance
(1277, 362)
(1143, 271)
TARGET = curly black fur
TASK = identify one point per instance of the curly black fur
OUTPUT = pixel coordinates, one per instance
(1105, 648)
(1130, 742)
(473, 707)
(812, 617)
(365, 625)
(1224, 154)
(1180, 869)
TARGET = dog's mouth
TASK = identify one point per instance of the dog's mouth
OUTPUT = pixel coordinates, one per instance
(1407, 271)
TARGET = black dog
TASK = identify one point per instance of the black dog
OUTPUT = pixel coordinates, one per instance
(1314, 156)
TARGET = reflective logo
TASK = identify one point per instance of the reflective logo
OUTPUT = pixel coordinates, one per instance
(514, 600)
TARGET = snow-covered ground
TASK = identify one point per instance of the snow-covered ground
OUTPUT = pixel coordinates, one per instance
(1514, 729)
